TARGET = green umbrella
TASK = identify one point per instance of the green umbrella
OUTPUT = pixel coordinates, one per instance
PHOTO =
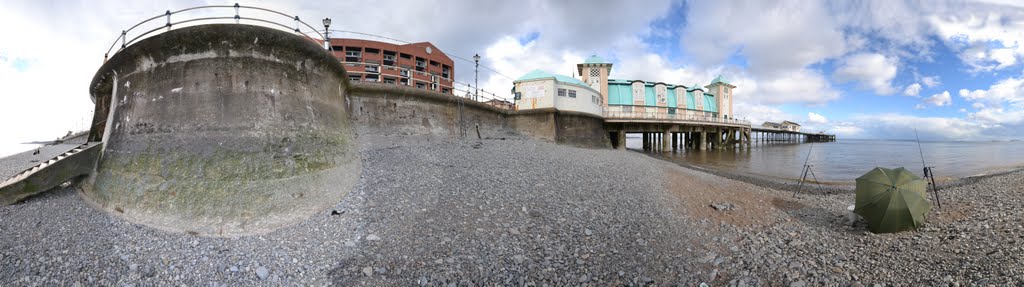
(891, 200)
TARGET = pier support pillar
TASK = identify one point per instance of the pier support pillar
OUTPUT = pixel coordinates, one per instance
(666, 136)
(645, 140)
(675, 141)
(702, 145)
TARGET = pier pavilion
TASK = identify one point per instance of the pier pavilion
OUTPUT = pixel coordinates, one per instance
(670, 116)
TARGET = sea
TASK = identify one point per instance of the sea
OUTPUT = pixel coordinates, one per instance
(842, 161)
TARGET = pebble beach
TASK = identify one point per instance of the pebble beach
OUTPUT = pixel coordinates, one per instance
(528, 213)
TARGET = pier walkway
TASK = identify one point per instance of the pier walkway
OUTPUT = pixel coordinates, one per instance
(764, 134)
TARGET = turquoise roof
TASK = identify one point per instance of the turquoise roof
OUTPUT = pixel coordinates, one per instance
(620, 92)
(710, 104)
(541, 74)
(695, 87)
(671, 96)
(690, 102)
(594, 59)
(719, 79)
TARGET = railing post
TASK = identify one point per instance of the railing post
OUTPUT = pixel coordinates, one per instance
(124, 34)
(236, 14)
(168, 13)
(296, 24)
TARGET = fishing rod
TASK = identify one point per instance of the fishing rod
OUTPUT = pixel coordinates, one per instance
(928, 174)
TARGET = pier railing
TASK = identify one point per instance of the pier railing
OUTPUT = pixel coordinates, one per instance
(169, 20)
(620, 115)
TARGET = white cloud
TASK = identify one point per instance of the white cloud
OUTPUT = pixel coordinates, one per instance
(815, 118)
(931, 82)
(912, 90)
(987, 36)
(713, 35)
(715, 32)
(898, 126)
(1001, 105)
(802, 86)
(939, 100)
(847, 130)
(874, 71)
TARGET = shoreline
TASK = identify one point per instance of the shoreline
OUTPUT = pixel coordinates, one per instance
(422, 214)
(826, 187)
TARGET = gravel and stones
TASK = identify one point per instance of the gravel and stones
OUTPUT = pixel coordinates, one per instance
(522, 212)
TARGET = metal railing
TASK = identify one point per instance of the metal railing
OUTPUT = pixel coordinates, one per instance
(655, 115)
(237, 18)
(458, 88)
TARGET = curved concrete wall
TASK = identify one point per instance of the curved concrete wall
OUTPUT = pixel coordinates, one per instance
(223, 130)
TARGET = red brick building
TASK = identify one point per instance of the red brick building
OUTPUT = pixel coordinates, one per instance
(420, 65)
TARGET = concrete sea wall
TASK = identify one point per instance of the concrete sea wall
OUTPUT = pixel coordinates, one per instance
(223, 130)
(227, 130)
(388, 114)
(383, 113)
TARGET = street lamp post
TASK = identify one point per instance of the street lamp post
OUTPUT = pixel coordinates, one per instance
(327, 33)
(476, 77)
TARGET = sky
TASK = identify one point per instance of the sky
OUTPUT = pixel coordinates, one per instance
(860, 69)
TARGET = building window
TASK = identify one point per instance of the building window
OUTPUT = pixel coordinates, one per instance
(671, 111)
(373, 69)
(420, 86)
(561, 92)
(627, 109)
(435, 64)
(420, 64)
(352, 77)
(389, 60)
(444, 72)
(404, 81)
(446, 90)
(389, 80)
(371, 79)
(572, 93)
(404, 73)
(352, 54)
(372, 51)
(405, 56)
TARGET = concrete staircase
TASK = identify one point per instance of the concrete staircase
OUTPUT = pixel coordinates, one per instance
(48, 174)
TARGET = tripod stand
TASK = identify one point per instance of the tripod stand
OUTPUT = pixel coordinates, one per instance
(803, 177)
(806, 170)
